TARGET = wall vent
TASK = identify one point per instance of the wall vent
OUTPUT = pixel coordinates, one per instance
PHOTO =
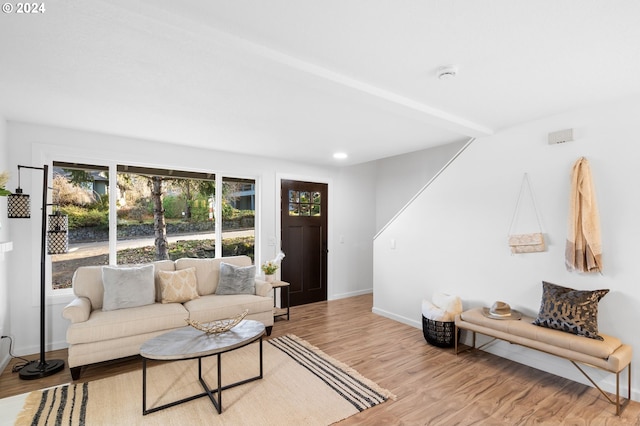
(561, 136)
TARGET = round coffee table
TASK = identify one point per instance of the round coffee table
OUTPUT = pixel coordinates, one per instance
(188, 343)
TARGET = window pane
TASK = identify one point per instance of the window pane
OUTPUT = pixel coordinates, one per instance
(294, 197)
(83, 194)
(315, 210)
(294, 209)
(178, 203)
(238, 217)
(317, 198)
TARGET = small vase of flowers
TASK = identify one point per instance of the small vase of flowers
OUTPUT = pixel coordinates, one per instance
(271, 266)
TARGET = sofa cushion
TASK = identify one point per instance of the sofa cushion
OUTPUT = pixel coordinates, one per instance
(106, 325)
(178, 286)
(218, 307)
(128, 287)
(208, 270)
(236, 279)
(573, 311)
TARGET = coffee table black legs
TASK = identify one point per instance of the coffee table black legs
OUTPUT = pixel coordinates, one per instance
(211, 393)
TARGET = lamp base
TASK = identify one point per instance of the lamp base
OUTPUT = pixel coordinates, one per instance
(38, 370)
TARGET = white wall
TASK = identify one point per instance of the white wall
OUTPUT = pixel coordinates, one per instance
(399, 178)
(354, 230)
(453, 237)
(31, 144)
(4, 237)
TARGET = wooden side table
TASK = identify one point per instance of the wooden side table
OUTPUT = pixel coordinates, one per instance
(280, 312)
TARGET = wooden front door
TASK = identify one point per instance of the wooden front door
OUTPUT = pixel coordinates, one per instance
(304, 240)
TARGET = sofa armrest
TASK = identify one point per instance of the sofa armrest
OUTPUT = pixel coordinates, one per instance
(263, 288)
(77, 310)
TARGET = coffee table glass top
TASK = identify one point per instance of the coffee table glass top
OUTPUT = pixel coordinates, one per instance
(187, 342)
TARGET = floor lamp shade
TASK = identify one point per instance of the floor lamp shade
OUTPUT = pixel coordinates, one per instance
(18, 205)
(58, 235)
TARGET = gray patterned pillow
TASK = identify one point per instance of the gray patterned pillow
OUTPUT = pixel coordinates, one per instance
(236, 279)
(573, 311)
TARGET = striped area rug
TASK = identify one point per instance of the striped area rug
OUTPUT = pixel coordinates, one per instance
(354, 388)
(301, 385)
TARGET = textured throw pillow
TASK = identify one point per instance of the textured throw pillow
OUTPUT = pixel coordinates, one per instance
(573, 311)
(236, 279)
(178, 286)
(127, 287)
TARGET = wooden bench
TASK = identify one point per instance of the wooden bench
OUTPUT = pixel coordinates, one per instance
(610, 354)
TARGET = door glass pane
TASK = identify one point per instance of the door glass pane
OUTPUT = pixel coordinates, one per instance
(304, 203)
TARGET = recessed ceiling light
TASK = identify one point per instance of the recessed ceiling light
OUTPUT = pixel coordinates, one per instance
(447, 73)
(340, 155)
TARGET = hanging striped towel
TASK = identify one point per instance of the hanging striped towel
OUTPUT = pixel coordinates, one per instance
(583, 251)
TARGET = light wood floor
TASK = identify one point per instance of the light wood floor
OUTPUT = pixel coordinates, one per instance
(433, 386)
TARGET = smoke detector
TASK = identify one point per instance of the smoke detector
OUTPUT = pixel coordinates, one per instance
(447, 73)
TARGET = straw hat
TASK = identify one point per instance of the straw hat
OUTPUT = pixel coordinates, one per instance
(502, 311)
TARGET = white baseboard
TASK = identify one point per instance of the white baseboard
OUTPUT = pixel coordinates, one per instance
(35, 349)
(404, 320)
(351, 294)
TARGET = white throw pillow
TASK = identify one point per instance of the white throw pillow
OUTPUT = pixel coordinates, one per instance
(128, 287)
(236, 279)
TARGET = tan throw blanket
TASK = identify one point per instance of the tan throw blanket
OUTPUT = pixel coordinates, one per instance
(583, 252)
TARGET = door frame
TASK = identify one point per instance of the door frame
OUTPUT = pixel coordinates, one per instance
(277, 211)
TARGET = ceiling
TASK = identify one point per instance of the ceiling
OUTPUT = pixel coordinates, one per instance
(303, 79)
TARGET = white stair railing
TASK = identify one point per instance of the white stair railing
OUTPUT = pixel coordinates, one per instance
(424, 187)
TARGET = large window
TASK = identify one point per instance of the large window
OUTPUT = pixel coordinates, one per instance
(159, 214)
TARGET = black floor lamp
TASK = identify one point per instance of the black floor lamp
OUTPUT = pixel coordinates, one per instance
(18, 207)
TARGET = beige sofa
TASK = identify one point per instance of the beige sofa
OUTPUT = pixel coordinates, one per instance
(95, 335)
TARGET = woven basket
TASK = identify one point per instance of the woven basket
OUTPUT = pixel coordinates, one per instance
(438, 333)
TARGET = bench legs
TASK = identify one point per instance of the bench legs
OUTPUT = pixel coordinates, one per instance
(619, 406)
(457, 337)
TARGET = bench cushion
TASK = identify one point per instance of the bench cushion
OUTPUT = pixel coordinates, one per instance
(608, 354)
(525, 328)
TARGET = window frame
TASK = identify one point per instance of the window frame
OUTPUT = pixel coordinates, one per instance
(63, 296)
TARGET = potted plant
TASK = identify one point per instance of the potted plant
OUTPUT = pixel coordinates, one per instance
(271, 266)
